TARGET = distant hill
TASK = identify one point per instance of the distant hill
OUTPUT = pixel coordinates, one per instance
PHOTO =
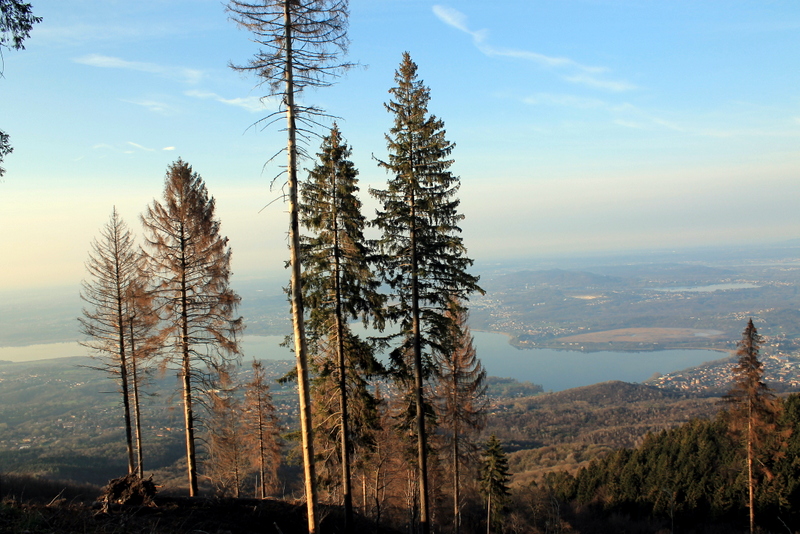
(568, 429)
(556, 278)
(683, 273)
(610, 393)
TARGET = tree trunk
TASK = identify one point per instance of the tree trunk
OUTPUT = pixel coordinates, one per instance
(136, 413)
(456, 483)
(422, 440)
(261, 460)
(344, 421)
(188, 415)
(123, 372)
(750, 481)
(306, 429)
(489, 513)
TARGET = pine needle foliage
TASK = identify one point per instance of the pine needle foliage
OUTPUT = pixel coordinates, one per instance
(338, 286)
(420, 254)
(16, 22)
(494, 480)
(752, 408)
(190, 261)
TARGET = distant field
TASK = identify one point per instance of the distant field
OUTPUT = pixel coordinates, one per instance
(643, 335)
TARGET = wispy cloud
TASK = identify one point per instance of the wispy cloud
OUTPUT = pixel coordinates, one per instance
(140, 147)
(624, 114)
(565, 100)
(128, 147)
(186, 75)
(592, 81)
(577, 72)
(252, 104)
(155, 106)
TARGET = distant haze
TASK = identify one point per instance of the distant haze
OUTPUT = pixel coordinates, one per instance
(580, 127)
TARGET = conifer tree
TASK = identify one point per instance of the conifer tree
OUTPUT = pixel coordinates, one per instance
(302, 42)
(338, 286)
(226, 463)
(262, 430)
(461, 400)
(494, 479)
(752, 406)
(191, 262)
(145, 343)
(112, 266)
(421, 256)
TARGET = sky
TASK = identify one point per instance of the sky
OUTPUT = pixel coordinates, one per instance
(580, 125)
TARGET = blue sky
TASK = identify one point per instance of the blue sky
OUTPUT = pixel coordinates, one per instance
(580, 125)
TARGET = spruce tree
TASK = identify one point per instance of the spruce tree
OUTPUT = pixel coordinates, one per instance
(191, 262)
(494, 479)
(421, 256)
(338, 286)
(752, 406)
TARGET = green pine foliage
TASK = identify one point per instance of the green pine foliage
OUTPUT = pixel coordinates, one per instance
(495, 477)
(422, 256)
(338, 286)
(691, 475)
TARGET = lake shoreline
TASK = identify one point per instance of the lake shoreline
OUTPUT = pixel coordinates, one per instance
(553, 369)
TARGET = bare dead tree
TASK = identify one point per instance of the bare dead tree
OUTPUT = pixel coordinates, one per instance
(262, 430)
(301, 42)
(145, 342)
(112, 267)
(461, 401)
(191, 263)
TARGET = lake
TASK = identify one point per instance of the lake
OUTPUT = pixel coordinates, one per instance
(555, 370)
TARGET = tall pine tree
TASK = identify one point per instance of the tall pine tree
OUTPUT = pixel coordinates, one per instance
(752, 406)
(494, 480)
(338, 286)
(421, 256)
(191, 261)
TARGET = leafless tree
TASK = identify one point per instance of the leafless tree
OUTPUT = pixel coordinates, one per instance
(145, 342)
(301, 42)
(190, 261)
(226, 464)
(262, 430)
(112, 267)
(462, 402)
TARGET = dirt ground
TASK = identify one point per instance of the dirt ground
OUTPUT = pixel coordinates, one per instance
(173, 516)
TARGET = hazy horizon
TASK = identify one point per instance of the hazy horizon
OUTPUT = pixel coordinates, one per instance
(580, 127)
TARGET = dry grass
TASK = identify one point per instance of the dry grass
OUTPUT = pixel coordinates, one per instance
(644, 335)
